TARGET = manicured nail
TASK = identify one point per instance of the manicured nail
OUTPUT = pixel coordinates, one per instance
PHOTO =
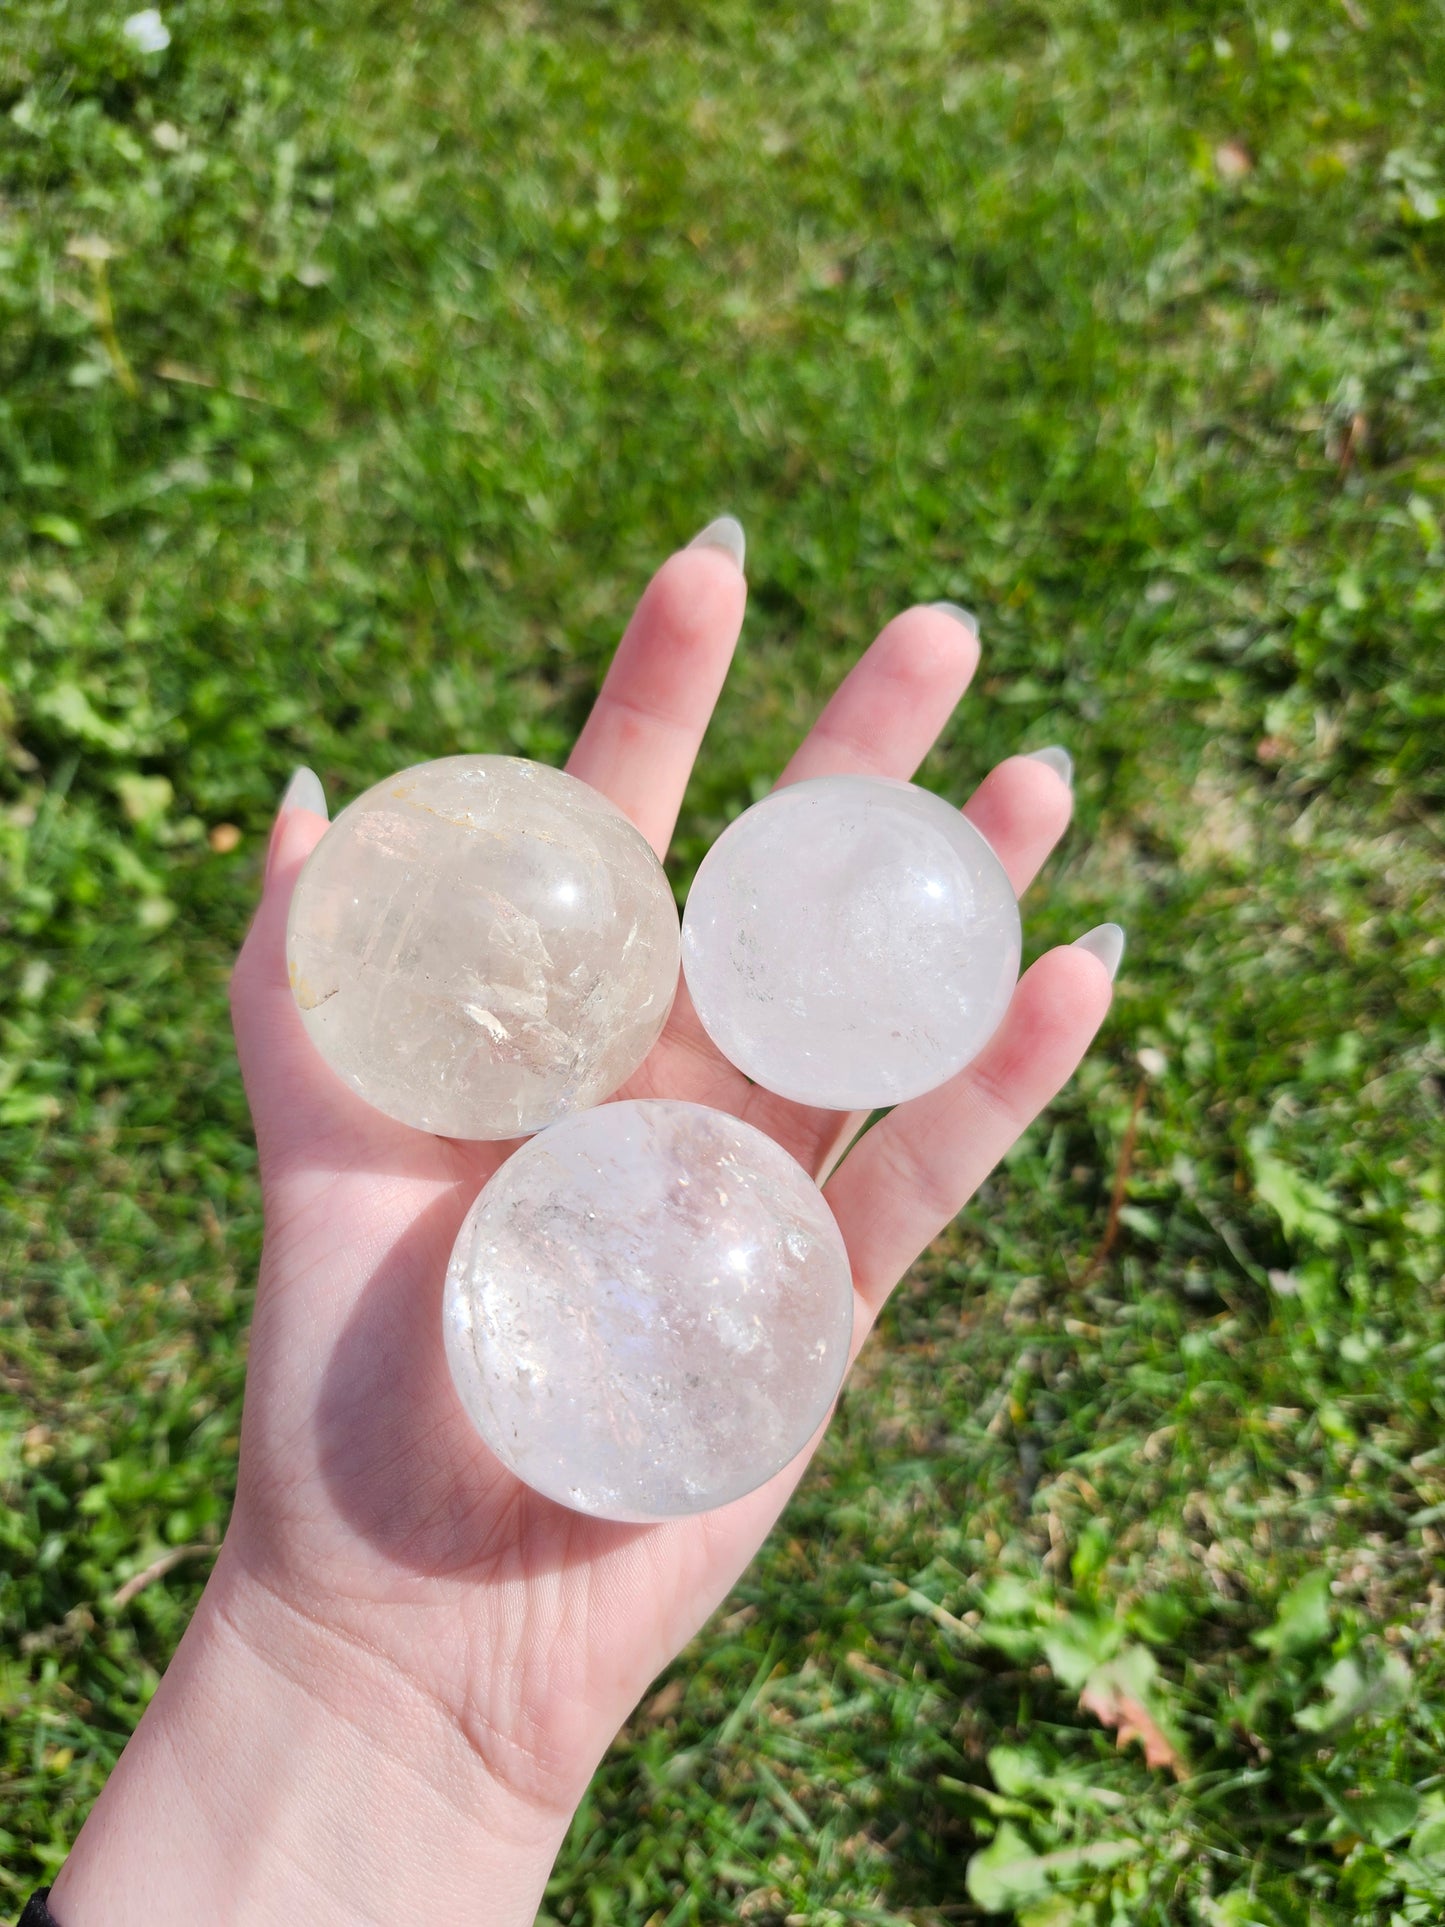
(1106, 942)
(726, 533)
(1056, 758)
(959, 614)
(304, 792)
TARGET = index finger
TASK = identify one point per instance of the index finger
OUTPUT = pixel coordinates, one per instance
(640, 742)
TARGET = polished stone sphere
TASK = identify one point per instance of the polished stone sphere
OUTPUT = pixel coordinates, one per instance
(851, 941)
(648, 1310)
(481, 944)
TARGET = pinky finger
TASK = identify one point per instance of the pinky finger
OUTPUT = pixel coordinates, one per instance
(918, 1167)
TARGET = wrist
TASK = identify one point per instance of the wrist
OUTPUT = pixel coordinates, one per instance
(280, 1774)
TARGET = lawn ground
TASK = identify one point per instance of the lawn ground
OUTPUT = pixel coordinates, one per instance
(357, 365)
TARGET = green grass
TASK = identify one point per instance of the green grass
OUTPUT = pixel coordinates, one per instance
(431, 330)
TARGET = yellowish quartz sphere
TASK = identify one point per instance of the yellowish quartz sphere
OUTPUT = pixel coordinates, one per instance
(481, 944)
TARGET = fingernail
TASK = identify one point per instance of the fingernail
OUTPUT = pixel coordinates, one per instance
(304, 792)
(726, 533)
(959, 614)
(1106, 942)
(1056, 758)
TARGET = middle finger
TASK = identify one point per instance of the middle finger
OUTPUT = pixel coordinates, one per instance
(887, 712)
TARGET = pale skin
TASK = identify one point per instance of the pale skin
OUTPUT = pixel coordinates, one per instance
(406, 1665)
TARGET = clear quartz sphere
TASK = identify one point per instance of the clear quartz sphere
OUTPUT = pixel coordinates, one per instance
(648, 1310)
(851, 941)
(480, 945)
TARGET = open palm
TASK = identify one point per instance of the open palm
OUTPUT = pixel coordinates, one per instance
(369, 1511)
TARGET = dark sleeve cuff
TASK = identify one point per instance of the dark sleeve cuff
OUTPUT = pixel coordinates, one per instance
(37, 1914)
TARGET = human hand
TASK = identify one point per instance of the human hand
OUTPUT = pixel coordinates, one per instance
(453, 1651)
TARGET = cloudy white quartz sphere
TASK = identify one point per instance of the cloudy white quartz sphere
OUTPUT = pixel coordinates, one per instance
(480, 945)
(851, 941)
(648, 1310)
